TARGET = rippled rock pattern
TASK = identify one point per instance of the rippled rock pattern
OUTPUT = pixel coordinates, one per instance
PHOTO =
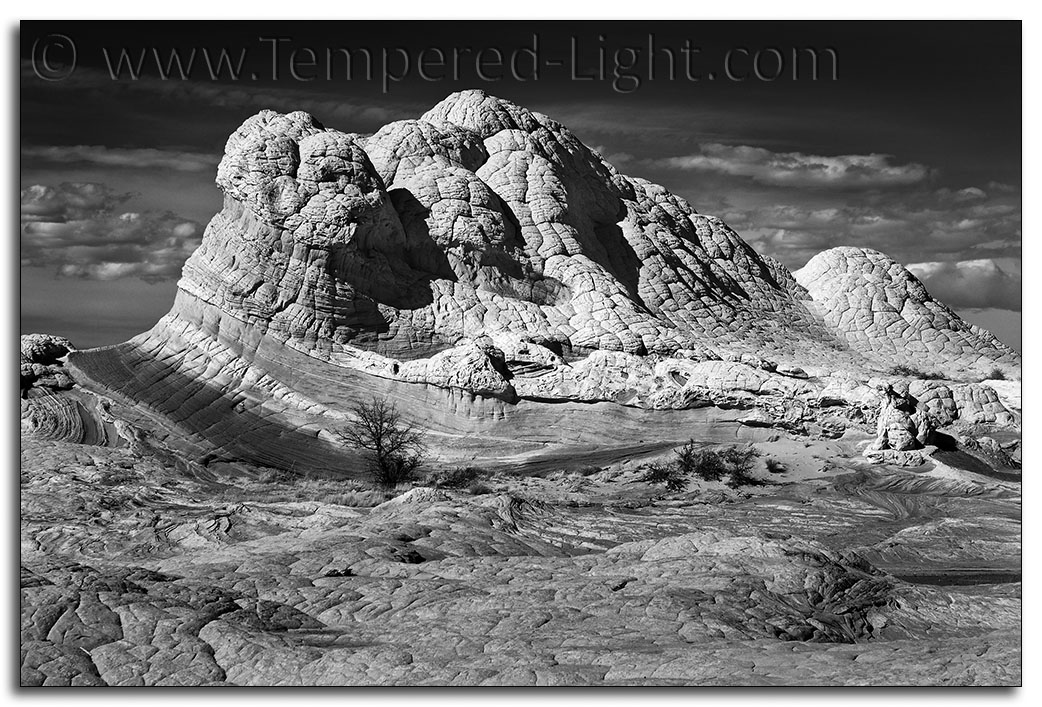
(136, 573)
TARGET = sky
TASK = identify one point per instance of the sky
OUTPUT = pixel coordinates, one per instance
(908, 141)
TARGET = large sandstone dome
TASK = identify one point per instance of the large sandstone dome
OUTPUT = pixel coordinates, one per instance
(486, 269)
(479, 219)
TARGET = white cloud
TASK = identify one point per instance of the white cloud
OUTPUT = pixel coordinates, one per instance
(797, 169)
(81, 231)
(975, 284)
(909, 225)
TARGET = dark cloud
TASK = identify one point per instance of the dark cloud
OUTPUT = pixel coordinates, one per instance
(976, 284)
(797, 169)
(637, 127)
(344, 113)
(81, 230)
(123, 157)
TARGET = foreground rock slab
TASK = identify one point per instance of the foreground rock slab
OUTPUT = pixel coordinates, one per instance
(134, 574)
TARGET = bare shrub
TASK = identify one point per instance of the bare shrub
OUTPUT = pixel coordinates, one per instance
(393, 448)
(910, 372)
(669, 474)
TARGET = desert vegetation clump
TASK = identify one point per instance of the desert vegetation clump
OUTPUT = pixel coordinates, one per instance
(732, 464)
(459, 477)
(588, 470)
(910, 372)
(393, 449)
(283, 486)
(667, 473)
(479, 488)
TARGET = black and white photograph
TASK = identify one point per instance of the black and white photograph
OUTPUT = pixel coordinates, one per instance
(520, 352)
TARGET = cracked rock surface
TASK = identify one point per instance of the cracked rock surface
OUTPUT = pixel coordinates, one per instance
(134, 573)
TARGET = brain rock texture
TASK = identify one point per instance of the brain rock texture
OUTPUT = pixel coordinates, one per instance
(483, 218)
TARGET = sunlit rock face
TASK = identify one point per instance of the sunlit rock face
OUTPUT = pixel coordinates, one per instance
(483, 219)
(479, 219)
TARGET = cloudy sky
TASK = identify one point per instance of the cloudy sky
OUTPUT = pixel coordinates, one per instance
(914, 148)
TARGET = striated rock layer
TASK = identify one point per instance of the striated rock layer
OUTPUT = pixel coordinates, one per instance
(481, 262)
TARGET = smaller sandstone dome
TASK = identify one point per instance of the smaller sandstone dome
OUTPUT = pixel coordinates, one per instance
(857, 267)
(879, 306)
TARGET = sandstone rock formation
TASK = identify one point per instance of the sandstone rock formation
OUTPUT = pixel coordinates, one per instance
(41, 361)
(480, 262)
(49, 408)
(190, 517)
(880, 308)
(479, 219)
(484, 219)
(902, 427)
